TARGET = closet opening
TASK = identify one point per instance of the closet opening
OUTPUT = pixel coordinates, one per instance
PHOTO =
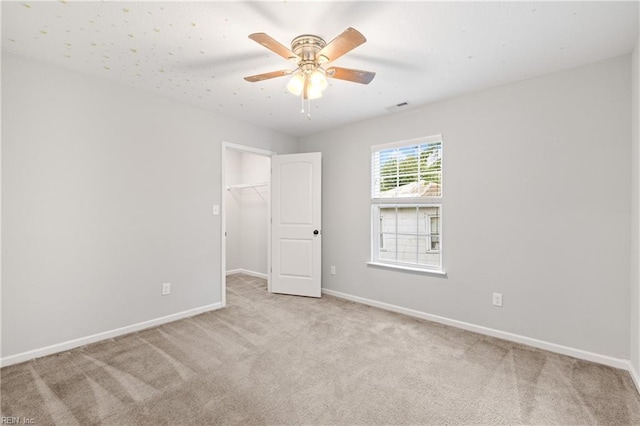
(246, 213)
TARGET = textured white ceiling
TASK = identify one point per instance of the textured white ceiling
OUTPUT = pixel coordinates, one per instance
(198, 52)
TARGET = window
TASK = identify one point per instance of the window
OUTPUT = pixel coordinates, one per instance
(406, 203)
(433, 243)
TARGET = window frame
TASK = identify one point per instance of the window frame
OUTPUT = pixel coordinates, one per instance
(378, 203)
(431, 234)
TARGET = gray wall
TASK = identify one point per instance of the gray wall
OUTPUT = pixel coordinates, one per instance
(536, 206)
(106, 193)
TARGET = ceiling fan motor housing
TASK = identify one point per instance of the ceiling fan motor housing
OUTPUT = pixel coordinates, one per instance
(307, 47)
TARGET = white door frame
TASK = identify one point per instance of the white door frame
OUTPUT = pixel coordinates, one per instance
(223, 215)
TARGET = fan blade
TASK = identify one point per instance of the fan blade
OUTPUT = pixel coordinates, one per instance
(268, 75)
(273, 45)
(345, 42)
(357, 76)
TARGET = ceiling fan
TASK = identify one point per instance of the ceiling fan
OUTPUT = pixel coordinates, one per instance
(311, 53)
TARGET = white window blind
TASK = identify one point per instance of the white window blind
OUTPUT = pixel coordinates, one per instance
(413, 169)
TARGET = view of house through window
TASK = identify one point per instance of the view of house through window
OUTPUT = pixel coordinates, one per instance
(406, 199)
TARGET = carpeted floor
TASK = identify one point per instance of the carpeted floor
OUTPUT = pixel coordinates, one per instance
(273, 359)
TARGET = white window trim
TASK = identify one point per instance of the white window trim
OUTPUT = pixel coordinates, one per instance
(399, 144)
(407, 268)
(377, 203)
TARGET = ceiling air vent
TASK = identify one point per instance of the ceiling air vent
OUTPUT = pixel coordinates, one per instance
(399, 107)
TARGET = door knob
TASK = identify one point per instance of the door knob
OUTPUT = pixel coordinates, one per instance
(316, 232)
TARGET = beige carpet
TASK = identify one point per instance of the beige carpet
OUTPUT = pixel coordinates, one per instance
(272, 359)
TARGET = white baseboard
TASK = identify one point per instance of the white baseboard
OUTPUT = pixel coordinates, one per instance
(552, 347)
(75, 343)
(247, 272)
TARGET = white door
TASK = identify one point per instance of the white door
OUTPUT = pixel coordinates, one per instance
(296, 235)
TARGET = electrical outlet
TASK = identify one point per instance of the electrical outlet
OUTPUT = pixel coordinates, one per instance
(497, 299)
(333, 270)
(216, 209)
(166, 289)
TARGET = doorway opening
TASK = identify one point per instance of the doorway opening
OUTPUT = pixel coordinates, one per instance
(246, 213)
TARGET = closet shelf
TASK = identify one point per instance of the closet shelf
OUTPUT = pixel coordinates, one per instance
(247, 185)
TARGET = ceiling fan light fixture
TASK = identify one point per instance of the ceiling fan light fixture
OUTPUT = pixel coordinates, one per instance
(317, 79)
(314, 83)
(296, 84)
(313, 92)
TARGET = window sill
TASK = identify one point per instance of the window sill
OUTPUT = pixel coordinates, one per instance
(408, 269)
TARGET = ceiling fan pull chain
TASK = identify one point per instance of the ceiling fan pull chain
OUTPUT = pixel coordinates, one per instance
(302, 97)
